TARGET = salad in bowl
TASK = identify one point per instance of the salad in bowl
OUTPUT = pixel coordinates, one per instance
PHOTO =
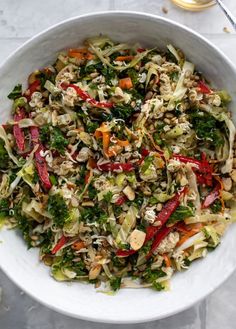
(118, 164)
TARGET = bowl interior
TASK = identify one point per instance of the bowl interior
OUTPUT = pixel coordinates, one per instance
(22, 265)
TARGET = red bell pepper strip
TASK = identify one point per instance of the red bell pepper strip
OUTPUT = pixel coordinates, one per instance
(41, 164)
(120, 200)
(145, 152)
(164, 214)
(204, 88)
(204, 174)
(32, 88)
(150, 232)
(125, 253)
(140, 50)
(17, 131)
(86, 97)
(164, 231)
(116, 166)
(63, 240)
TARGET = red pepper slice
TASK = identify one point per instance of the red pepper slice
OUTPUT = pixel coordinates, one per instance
(204, 88)
(150, 232)
(164, 231)
(86, 97)
(204, 176)
(125, 253)
(60, 244)
(116, 166)
(17, 131)
(32, 88)
(41, 164)
(163, 216)
(140, 50)
(145, 152)
(120, 200)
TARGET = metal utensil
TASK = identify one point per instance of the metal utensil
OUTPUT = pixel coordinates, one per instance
(227, 12)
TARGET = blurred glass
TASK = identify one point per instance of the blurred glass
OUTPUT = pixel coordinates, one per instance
(194, 5)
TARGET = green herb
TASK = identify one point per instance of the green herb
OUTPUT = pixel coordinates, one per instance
(58, 141)
(122, 111)
(58, 209)
(174, 76)
(107, 197)
(45, 133)
(4, 158)
(46, 244)
(108, 73)
(133, 74)
(16, 92)
(115, 283)
(158, 139)
(24, 224)
(157, 286)
(180, 213)
(151, 276)
(92, 192)
(153, 200)
(91, 127)
(216, 207)
(187, 262)
(4, 208)
(94, 214)
(207, 128)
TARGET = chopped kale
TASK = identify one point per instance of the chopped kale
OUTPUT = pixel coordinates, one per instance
(180, 213)
(115, 283)
(4, 158)
(207, 128)
(58, 209)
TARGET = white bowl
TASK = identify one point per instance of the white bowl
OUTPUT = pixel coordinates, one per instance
(78, 299)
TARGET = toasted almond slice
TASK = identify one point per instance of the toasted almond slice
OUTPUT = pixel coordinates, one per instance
(137, 239)
(95, 271)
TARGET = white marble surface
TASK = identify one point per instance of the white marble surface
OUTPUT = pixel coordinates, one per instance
(21, 19)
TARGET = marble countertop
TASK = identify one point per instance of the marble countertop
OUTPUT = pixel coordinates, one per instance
(19, 20)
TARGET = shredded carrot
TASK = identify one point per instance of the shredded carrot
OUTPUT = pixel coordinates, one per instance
(78, 245)
(97, 134)
(186, 237)
(125, 83)
(80, 53)
(167, 260)
(92, 163)
(124, 58)
(105, 141)
(87, 176)
(122, 143)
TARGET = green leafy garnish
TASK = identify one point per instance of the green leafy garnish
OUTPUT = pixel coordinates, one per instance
(58, 141)
(58, 209)
(4, 158)
(207, 128)
(115, 283)
(180, 213)
(16, 92)
(107, 197)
